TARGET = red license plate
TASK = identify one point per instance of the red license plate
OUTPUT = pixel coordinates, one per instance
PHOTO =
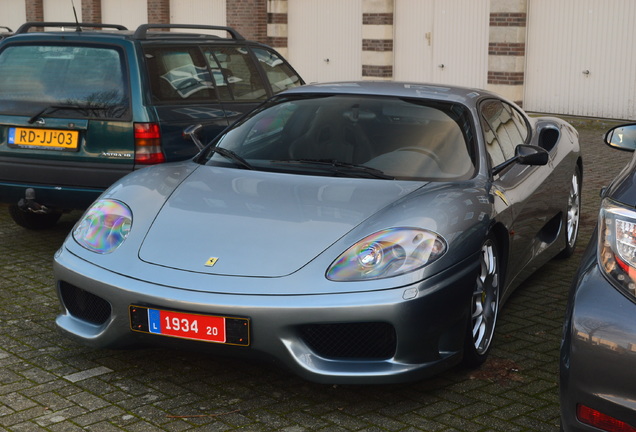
(208, 328)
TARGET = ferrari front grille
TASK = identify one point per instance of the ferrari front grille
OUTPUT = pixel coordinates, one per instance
(84, 305)
(367, 340)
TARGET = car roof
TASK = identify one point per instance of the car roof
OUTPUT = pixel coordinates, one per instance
(464, 95)
(143, 32)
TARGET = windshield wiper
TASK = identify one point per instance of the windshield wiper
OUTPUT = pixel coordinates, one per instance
(52, 108)
(341, 167)
(229, 154)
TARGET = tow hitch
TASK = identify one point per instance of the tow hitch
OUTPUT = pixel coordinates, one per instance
(29, 205)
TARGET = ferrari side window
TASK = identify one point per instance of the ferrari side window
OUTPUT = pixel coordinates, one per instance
(520, 123)
(492, 145)
(509, 127)
(501, 121)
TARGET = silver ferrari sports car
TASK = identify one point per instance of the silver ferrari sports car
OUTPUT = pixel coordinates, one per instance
(355, 232)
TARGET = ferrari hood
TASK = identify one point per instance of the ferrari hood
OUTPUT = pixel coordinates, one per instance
(247, 223)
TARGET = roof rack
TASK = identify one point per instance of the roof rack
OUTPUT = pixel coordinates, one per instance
(142, 30)
(24, 28)
(6, 28)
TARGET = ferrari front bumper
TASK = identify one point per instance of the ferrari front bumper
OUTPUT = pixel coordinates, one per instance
(380, 336)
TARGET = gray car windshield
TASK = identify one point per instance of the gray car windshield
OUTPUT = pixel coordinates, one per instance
(365, 136)
(64, 81)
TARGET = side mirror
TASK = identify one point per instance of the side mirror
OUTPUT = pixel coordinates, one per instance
(525, 155)
(622, 137)
(192, 133)
(531, 155)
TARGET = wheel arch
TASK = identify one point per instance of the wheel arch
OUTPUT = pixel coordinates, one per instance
(500, 234)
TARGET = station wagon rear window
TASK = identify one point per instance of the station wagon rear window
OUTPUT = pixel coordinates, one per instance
(69, 81)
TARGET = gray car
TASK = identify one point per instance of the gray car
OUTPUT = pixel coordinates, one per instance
(355, 232)
(598, 351)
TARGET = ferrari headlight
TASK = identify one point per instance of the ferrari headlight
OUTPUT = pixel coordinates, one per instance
(104, 226)
(617, 245)
(387, 253)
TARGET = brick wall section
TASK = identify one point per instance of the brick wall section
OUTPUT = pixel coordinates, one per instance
(92, 11)
(34, 10)
(377, 39)
(277, 18)
(506, 78)
(378, 45)
(503, 19)
(159, 11)
(377, 18)
(249, 17)
(377, 71)
(277, 41)
(507, 49)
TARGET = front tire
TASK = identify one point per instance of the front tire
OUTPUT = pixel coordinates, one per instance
(484, 306)
(33, 221)
(573, 215)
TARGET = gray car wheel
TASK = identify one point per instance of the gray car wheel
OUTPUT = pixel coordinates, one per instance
(484, 306)
(573, 215)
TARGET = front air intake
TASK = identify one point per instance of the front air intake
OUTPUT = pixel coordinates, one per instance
(368, 340)
(84, 305)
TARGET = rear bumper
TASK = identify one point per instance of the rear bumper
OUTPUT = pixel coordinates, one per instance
(53, 197)
(598, 353)
(60, 185)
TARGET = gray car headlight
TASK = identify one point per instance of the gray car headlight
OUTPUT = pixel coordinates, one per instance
(617, 245)
(387, 253)
(104, 226)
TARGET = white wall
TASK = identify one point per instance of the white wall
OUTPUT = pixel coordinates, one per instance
(208, 12)
(569, 37)
(62, 10)
(130, 13)
(325, 39)
(12, 13)
(442, 41)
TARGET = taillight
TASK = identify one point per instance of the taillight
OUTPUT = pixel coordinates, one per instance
(602, 421)
(148, 144)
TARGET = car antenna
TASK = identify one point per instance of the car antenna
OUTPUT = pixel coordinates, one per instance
(78, 28)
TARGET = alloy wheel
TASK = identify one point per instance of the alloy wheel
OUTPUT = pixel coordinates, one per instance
(485, 303)
(574, 211)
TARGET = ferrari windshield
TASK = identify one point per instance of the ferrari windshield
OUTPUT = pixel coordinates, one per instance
(365, 136)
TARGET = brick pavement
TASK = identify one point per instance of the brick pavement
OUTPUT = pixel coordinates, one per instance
(52, 384)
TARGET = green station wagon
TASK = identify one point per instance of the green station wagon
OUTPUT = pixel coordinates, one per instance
(85, 104)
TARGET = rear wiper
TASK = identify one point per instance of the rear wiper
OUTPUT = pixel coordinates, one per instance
(52, 108)
(229, 154)
(338, 166)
